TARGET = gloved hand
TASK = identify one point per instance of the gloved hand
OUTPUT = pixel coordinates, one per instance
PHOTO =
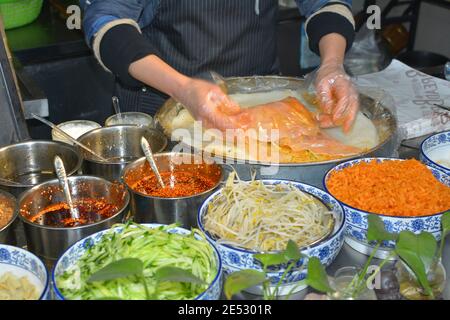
(338, 97)
(209, 104)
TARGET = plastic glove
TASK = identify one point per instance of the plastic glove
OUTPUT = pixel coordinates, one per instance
(297, 128)
(288, 116)
(209, 104)
(338, 97)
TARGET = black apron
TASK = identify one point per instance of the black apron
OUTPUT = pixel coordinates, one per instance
(231, 37)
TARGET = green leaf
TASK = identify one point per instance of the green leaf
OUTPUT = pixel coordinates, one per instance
(445, 221)
(377, 231)
(317, 277)
(118, 269)
(445, 224)
(418, 252)
(292, 251)
(174, 274)
(271, 259)
(240, 280)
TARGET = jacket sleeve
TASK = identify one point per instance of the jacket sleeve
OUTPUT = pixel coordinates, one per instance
(113, 31)
(324, 17)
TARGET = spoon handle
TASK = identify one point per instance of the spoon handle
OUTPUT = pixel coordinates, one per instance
(67, 136)
(149, 155)
(116, 106)
(64, 182)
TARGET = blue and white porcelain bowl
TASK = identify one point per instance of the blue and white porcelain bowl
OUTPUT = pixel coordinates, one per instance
(23, 263)
(235, 258)
(435, 150)
(75, 252)
(357, 224)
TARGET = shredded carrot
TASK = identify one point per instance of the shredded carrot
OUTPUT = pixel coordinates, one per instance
(395, 188)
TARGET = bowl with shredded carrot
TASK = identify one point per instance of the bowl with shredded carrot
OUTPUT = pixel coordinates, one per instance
(406, 194)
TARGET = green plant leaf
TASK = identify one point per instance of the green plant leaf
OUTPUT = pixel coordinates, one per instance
(240, 280)
(293, 251)
(118, 269)
(271, 259)
(174, 274)
(418, 252)
(377, 231)
(445, 221)
(317, 277)
(445, 224)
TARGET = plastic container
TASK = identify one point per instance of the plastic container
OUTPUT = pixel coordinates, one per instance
(17, 13)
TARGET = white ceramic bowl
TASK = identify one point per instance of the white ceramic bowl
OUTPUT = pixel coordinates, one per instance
(75, 252)
(23, 263)
(235, 259)
(433, 149)
(357, 224)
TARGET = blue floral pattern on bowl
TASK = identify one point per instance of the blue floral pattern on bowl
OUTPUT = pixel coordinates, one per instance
(76, 251)
(235, 259)
(433, 142)
(20, 258)
(357, 224)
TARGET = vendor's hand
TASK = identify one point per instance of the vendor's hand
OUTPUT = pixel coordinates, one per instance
(208, 103)
(338, 97)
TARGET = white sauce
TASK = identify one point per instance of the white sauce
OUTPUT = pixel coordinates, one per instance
(75, 129)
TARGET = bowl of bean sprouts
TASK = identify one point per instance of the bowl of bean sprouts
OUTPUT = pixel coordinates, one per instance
(245, 218)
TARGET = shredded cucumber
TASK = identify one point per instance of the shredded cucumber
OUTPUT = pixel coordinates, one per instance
(156, 248)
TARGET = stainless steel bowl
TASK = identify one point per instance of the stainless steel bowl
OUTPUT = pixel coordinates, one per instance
(149, 209)
(50, 242)
(31, 163)
(7, 232)
(378, 110)
(120, 145)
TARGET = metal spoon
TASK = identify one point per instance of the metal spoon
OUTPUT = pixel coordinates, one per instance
(64, 182)
(149, 155)
(116, 106)
(68, 137)
(10, 182)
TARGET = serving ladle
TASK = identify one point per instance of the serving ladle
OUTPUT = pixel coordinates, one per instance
(64, 183)
(151, 161)
(68, 137)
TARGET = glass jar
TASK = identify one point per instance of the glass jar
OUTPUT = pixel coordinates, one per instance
(344, 283)
(410, 287)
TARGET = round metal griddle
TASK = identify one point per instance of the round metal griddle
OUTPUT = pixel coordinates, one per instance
(312, 173)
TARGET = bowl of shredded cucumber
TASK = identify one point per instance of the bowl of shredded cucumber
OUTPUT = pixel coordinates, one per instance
(140, 262)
